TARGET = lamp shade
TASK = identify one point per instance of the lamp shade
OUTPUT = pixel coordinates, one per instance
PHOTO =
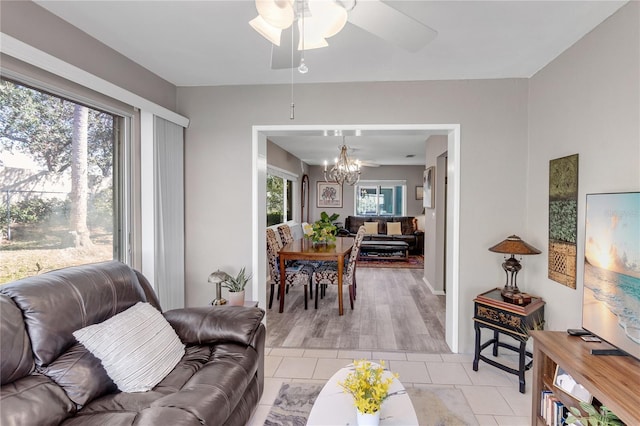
(514, 245)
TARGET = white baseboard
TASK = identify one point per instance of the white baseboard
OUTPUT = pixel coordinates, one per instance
(436, 292)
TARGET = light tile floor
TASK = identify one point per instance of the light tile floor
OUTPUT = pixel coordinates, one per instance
(491, 393)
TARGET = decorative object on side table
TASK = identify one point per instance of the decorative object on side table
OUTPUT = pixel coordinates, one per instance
(322, 231)
(369, 390)
(235, 285)
(219, 300)
(513, 245)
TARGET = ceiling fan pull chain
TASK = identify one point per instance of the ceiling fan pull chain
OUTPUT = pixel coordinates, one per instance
(292, 114)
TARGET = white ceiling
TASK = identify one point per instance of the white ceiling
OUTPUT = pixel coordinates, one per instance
(201, 43)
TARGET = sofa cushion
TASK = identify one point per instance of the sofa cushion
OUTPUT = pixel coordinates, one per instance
(137, 347)
(393, 228)
(80, 374)
(34, 400)
(371, 227)
(57, 303)
(206, 387)
(16, 359)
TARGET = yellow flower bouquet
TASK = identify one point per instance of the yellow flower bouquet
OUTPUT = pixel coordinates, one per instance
(367, 385)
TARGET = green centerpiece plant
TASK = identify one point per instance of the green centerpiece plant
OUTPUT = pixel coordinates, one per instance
(323, 231)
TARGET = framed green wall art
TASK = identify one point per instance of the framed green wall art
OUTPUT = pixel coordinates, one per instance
(563, 219)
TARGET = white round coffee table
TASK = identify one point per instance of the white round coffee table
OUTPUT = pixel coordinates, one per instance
(335, 407)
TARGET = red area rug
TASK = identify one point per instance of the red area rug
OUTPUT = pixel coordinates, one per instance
(413, 262)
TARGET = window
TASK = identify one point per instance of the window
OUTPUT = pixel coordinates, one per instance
(380, 198)
(279, 196)
(58, 182)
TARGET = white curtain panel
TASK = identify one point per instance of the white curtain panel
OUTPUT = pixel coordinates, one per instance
(168, 152)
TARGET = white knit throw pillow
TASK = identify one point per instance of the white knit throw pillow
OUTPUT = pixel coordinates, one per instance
(137, 347)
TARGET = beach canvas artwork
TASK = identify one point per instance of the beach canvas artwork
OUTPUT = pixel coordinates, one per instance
(611, 307)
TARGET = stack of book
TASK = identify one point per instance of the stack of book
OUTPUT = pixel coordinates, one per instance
(552, 410)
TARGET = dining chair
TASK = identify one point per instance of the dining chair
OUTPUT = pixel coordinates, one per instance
(285, 234)
(294, 273)
(327, 274)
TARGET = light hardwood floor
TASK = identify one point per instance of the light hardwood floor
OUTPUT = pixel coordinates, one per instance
(394, 311)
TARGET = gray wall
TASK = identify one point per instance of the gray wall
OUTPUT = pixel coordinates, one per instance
(284, 160)
(492, 115)
(585, 102)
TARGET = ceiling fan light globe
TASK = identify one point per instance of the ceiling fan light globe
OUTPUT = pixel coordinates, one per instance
(330, 14)
(278, 13)
(312, 34)
(267, 31)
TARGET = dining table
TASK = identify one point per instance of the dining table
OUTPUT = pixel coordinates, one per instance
(305, 249)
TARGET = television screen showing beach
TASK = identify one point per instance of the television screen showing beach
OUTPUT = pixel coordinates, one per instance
(611, 304)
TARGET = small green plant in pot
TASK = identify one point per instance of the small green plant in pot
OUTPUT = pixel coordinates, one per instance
(235, 285)
(594, 417)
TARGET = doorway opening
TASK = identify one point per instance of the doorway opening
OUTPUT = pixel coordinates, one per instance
(259, 159)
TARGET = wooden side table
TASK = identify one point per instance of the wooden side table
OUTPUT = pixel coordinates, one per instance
(491, 312)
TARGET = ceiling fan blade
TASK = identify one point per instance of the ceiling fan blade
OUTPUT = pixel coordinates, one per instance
(281, 55)
(392, 25)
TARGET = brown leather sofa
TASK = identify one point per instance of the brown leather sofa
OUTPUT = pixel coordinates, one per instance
(48, 378)
(408, 225)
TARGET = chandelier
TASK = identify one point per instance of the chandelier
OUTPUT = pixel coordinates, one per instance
(321, 19)
(344, 169)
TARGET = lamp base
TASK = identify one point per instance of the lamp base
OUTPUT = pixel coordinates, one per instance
(220, 301)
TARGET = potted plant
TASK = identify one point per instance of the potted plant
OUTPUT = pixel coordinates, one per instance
(322, 231)
(369, 389)
(594, 417)
(235, 285)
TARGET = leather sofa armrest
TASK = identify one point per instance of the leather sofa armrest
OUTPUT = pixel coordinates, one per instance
(418, 233)
(208, 325)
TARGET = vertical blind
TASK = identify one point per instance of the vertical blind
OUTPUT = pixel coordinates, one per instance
(168, 152)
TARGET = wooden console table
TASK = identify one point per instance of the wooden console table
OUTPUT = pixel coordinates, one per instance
(515, 321)
(612, 380)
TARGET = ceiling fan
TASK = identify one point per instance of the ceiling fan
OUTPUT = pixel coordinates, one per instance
(277, 21)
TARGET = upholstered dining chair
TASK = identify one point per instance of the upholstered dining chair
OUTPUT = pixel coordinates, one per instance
(327, 273)
(300, 276)
(285, 234)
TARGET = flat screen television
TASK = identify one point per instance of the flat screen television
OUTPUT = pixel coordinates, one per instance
(611, 290)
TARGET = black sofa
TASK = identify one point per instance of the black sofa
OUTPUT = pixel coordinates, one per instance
(408, 225)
